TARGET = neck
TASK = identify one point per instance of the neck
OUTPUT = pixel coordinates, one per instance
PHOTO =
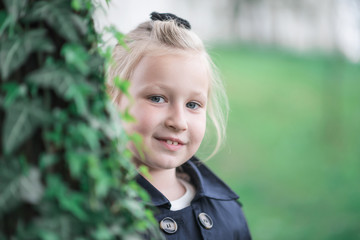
(166, 182)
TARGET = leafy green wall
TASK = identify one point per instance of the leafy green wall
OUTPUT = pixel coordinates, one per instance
(64, 170)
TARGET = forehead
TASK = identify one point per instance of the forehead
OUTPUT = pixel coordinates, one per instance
(171, 69)
(166, 57)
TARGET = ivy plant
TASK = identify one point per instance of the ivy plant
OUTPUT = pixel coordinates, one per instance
(65, 172)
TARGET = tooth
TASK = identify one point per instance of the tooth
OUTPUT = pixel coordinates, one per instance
(169, 142)
(175, 143)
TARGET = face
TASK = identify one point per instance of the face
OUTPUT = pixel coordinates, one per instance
(170, 95)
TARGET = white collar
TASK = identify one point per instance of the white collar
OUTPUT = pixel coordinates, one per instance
(185, 200)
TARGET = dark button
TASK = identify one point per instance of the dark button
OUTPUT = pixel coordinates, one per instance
(168, 225)
(205, 220)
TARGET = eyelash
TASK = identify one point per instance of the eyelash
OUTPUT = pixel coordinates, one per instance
(152, 98)
(197, 105)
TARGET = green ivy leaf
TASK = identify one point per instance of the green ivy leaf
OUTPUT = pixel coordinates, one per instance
(13, 91)
(47, 160)
(74, 92)
(136, 139)
(127, 153)
(120, 37)
(68, 85)
(17, 185)
(47, 235)
(76, 4)
(76, 56)
(68, 200)
(114, 129)
(81, 24)
(4, 21)
(144, 171)
(102, 186)
(30, 186)
(54, 186)
(15, 8)
(76, 162)
(79, 5)
(10, 173)
(14, 51)
(21, 120)
(93, 167)
(96, 64)
(73, 202)
(10, 56)
(127, 117)
(102, 233)
(139, 190)
(53, 77)
(106, 53)
(3, 16)
(123, 85)
(89, 135)
(58, 16)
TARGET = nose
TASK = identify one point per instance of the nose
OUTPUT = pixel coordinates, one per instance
(176, 118)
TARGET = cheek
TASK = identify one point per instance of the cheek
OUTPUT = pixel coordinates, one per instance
(122, 102)
(145, 120)
(145, 123)
(199, 127)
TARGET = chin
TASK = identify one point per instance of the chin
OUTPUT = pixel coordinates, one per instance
(166, 162)
(166, 165)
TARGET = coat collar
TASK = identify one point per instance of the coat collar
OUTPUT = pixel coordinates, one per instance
(207, 184)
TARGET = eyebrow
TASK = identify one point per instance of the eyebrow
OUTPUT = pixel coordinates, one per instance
(153, 87)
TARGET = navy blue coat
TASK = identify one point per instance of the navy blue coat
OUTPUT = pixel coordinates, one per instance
(223, 218)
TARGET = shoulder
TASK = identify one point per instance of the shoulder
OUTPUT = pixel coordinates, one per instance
(215, 199)
(206, 182)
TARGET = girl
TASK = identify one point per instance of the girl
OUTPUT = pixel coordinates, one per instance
(174, 90)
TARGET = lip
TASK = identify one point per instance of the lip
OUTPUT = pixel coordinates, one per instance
(171, 147)
(171, 139)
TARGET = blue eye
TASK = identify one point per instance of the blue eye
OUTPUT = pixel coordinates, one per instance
(192, 105)
(157, 99)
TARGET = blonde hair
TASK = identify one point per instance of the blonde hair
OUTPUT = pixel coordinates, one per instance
(167, 37)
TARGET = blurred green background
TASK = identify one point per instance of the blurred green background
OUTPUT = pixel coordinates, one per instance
(293, 140)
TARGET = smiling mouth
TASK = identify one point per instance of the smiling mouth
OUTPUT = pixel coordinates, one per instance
(171, 144)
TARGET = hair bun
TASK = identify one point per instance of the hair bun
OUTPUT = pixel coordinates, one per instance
(155, 16)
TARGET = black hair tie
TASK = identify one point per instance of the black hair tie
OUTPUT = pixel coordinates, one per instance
(168, 16)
